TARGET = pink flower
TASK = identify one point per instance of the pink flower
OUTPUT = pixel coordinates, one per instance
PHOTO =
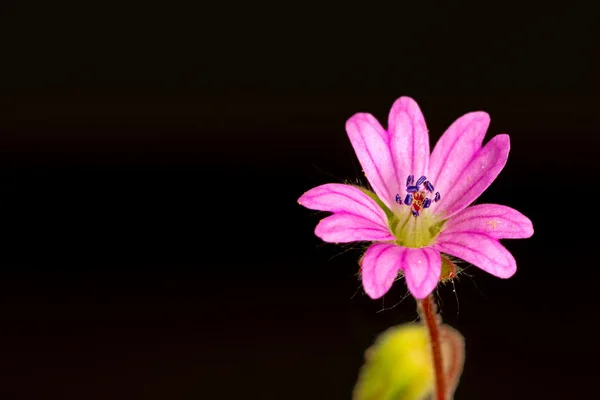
(419, 206)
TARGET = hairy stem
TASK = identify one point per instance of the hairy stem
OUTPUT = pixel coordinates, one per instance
(431, 321)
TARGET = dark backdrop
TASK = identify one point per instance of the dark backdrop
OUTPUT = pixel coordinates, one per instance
(150, 163)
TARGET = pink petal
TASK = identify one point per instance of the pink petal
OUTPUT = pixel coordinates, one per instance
(335, 197)
(496, 221)
(344, 228)
(380, 268)
(409, 139)
(479, 249)
(481, 170)
(371, 144)
(382, 261)
(422, 269)
(455, 149)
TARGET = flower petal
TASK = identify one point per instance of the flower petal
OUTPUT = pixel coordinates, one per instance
(477, 175)
(479, 249)
(422, 269)
(336, 198)
(382, 261)
(371, 145)
(380, 267)
(345, 227)
(409, 139)
(453, 152)
(498, 222)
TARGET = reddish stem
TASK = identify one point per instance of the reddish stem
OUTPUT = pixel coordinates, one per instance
(430, 318)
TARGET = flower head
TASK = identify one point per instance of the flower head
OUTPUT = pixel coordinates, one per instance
(418, 207)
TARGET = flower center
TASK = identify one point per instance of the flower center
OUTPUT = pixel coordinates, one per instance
(416, 232)
(416, 198)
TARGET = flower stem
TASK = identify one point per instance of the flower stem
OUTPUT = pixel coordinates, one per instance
(431, 321)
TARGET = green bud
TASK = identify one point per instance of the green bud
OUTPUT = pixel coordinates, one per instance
(399, 365)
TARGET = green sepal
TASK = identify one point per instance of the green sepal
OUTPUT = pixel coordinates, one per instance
(391, 218)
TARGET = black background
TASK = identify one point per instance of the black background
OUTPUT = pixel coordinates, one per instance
(150, 163)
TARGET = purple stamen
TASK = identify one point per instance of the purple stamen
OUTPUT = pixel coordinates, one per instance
(408, 200)
(412, 189)
(421, 180)
(410, 180)
(415, 213)
(429, 186)
(398, 199)
(437, 197)
(426, 203)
